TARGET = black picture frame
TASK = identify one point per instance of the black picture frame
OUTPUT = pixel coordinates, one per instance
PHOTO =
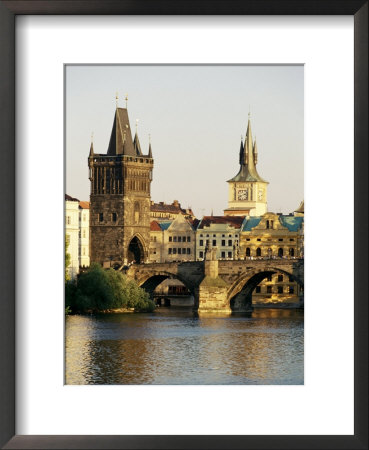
(8, 12)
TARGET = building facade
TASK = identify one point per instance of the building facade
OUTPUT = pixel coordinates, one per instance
(163, 211)
(84, 234)
(220, 232)
(72, 234)
(120, 198)
(173, 240)
(274, 236)
(247, 191)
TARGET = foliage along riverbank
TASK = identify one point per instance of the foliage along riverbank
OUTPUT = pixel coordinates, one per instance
(100, 290)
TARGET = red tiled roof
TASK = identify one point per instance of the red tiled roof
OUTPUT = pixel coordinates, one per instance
(84, 205)
(154, 226)
(233, 221)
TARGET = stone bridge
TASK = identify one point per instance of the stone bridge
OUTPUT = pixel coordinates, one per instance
(217, 285)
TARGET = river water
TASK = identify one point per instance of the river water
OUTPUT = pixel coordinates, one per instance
(176, 347)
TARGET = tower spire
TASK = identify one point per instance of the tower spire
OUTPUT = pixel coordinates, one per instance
(116, 99)
(136, 142)
(255, 152)
(150, 150)
(126, 98)
(92, 144)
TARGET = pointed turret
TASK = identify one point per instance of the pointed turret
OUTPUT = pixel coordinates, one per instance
(150, 151)
(121, 134)
(248, 170)
(91, 150)
(137, 145)
(242, 152)
(255, 152)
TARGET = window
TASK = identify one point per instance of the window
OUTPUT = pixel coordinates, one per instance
(84, 233)
(84, 252)
(292, 240)
(269, 277)
(229, 235)
(280, 277)
(280, 289)
(247, 239)
(154, 238)
(114, 217)
(201, 235)
(188, 238)
(68, 220)
(207, 235)
(169, 251)
(180, 239)
(67, 237)
(290, 279)
(223, 254)
(179, 251)
(258, 240)
(223, 242)
(170, 239)
(292, 252)
(214, 242)
(258, 251)
(101, 217)
(248, 251)
(201, 254)
(229, 243)
(84, 217)
(174, 251)
(188, 251)
(267, 223)
(174, 238)
(201, 243)
(258, 290)
(223, 235)
(272, 223)
(280, 240)
(269, 289)
(291, 290)
(214, 235)
(229, 254)
(280, 252)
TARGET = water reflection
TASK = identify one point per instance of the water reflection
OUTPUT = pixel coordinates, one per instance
(176, 347)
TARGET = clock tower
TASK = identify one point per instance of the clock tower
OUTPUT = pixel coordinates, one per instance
(247, 191)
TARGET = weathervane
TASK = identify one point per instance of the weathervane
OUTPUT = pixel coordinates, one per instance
(126, 100)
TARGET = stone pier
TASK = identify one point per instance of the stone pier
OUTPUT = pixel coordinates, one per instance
(211, 294)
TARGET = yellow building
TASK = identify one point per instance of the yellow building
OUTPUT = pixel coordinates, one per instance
(274, 236)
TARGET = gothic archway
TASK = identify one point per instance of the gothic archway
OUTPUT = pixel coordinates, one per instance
(135, 251)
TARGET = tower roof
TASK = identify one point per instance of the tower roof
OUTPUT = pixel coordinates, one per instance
(121, 138)
(247, 170)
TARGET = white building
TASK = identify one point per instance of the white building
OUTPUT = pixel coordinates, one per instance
(220, 232)
(72, 233)
(84, 234)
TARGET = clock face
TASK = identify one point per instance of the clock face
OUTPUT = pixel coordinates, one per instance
(242, 194)
(261, 194)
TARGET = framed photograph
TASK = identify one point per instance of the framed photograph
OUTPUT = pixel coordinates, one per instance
(251, 324)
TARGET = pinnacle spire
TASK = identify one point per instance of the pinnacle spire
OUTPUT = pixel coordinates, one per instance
(136, 142)
(92, 144)
(255, 151)
(242, 152)
(150, 150)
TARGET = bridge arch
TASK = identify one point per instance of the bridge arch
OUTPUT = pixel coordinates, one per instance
(240, 292)
(136, 249)
(152, 281)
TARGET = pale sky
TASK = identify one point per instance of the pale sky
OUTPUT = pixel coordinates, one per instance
(195, 116)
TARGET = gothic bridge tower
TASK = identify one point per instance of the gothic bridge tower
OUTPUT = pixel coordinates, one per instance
(247, 191)
(120, 197)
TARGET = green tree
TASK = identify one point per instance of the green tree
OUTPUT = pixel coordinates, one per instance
(67, 258)
(98, 289)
